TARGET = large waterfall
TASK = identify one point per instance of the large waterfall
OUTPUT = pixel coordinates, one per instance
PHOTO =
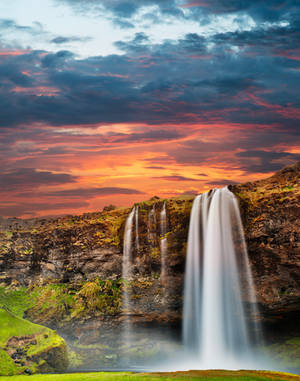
(215, 328)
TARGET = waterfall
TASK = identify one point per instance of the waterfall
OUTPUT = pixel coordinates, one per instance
(151, 236)
(163, 245)
(137, 242)
(217, 279)
(126, 275)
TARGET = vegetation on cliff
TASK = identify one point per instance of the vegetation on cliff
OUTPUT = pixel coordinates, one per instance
(29, 348)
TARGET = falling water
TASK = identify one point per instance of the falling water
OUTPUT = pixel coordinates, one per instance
(163, 246)
(151, 236)
(126, 275)
(137, 242)
(215, 328)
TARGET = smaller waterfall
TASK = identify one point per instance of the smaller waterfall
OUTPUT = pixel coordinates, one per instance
(163, 246)
(137, 242)
(151, 236)
(126, 275)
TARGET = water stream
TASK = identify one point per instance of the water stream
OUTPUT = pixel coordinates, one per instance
(126, 275)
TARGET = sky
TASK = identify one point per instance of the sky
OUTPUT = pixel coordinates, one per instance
(114, 101)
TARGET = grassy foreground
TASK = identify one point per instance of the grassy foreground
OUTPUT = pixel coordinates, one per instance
(209, 375)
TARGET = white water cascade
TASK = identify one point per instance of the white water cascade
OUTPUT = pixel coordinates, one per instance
(163, 250)
(126, 275)
(163, 246)
(137, 241)
(218, 277)
(151, 235)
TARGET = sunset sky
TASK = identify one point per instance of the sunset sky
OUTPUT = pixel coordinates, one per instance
(115, 101)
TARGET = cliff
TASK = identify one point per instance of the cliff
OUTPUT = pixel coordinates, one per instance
(271, 218)
(71, 266)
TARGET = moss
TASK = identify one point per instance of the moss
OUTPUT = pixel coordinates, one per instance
(286, 354)
(7, 366)
(155, 252)
(60, 303)
(8, 234)
(36, 345)
(142, 283)
(99, 297)
(75, 360)
(52, 303)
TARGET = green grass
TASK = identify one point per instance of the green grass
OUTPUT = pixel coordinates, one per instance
(7, 365)
(13, 326)
(216, 375)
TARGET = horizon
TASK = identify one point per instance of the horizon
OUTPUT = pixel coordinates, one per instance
(112, 102)
(152, 198)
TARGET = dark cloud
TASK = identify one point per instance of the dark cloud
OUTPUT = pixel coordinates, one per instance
(56, 60)
(155, 167)
(201, 11)
(91, 192)
(65, 40)
(222, 182)
(30, 178)
(31, 209)
(146, 136)
(139, 86)
(265, 161)
(124, 9)
(175, 178)
(9, 25)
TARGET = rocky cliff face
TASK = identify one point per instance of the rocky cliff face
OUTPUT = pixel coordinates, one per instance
(75, 251)
(270, 211)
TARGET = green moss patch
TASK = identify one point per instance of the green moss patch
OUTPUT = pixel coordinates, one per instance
(286, 354)
(60, 303)
(24, 345)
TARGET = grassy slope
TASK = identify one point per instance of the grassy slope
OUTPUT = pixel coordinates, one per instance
(13, 326)
(216, 375)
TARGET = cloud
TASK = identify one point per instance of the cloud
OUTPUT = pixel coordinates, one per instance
(21, 178)
(146, 136)
(138, 86)
(175, 178)
(221, 182)
(155, 167)
(31, 209)
(9, 25)
(265, 161)
(199, 11)
(59, 40)
(91, 192)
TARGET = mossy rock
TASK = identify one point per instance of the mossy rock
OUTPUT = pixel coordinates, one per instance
(25, 346)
